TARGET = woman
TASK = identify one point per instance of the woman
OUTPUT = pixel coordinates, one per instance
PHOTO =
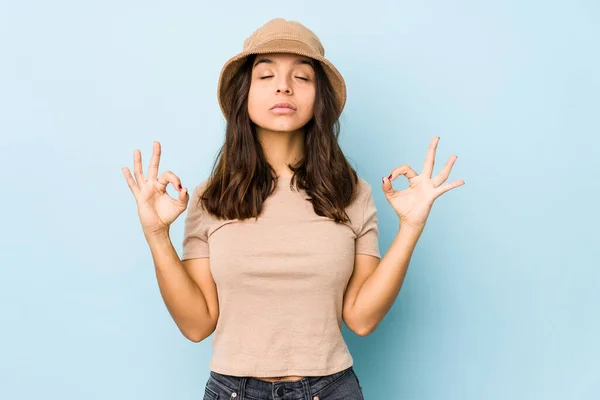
(292, 229)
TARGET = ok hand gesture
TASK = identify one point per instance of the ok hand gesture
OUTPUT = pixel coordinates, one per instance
(414, 203)
(156, 209)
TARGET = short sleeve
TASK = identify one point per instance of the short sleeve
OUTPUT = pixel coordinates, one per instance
(195, 235)
(367, 239)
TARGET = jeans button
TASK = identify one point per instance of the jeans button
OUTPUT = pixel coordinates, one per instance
(279, 391)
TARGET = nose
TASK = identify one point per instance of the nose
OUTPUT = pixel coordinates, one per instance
(284, 87)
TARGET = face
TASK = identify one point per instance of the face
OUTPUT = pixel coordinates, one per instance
(282, 92)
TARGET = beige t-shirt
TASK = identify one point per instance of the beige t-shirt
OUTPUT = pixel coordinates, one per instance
(281, 281)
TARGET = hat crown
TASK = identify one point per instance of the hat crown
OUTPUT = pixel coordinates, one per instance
(279, 28)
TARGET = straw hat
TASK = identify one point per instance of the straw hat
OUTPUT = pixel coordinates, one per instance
(281, 36)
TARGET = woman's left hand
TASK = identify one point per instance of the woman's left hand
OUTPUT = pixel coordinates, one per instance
(414, 203)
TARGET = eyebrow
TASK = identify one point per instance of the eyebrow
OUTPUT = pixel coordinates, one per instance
(265, 60)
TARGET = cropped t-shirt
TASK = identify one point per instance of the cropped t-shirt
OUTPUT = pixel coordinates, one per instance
(280, 281)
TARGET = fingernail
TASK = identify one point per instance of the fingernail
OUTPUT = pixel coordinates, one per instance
(382, 180)
(390, 177)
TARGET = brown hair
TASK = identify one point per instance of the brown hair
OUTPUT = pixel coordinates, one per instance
(241, 178)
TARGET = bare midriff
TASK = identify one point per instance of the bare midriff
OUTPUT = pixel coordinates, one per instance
(279, 378)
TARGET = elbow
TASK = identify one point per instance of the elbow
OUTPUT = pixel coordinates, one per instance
(366, 328)
(357, 325)
(194, 338)
(197, 332)
(196, 335)
(363, 331)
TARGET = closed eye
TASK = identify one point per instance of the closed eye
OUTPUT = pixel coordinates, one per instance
(270, 76)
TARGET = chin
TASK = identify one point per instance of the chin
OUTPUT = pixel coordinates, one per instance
(285, 127)
(280, 124)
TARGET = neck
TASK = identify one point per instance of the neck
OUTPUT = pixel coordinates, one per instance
(281, 148)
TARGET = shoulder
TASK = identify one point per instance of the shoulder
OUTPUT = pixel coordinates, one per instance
(362, 199)
(199, 188)
(195, 208)
(196, 193)
(363, 184)
(364, 191)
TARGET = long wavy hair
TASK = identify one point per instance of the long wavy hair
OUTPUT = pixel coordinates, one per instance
(241, 178)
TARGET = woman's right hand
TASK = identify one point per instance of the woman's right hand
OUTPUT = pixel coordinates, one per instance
(156, 209)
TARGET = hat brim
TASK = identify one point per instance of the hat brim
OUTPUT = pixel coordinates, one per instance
(282, 46)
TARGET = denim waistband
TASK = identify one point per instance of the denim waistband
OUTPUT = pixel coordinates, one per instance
(256, 388)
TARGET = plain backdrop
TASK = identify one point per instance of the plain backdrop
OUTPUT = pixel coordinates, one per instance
(501, 300)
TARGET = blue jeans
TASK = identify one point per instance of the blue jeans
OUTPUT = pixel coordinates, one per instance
(341, 385)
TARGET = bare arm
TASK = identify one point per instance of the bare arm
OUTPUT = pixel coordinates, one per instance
(194, 313)
(375, 284)
(187, 288)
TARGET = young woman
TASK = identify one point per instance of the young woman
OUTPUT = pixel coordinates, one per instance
(281, 241)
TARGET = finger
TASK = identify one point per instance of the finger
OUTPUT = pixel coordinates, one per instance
(405, 170)
(444, 173)
(448, 186)
(430, 157)
(169, 177)
(130, 181)
(137, 167)
(154, 161)
(386, 182)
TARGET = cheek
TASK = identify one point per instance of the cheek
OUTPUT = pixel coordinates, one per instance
(308, 101)
(255, 101)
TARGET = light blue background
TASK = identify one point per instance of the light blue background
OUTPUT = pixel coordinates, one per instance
(502, 297)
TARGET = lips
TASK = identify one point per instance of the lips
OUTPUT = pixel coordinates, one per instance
(284, 104)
